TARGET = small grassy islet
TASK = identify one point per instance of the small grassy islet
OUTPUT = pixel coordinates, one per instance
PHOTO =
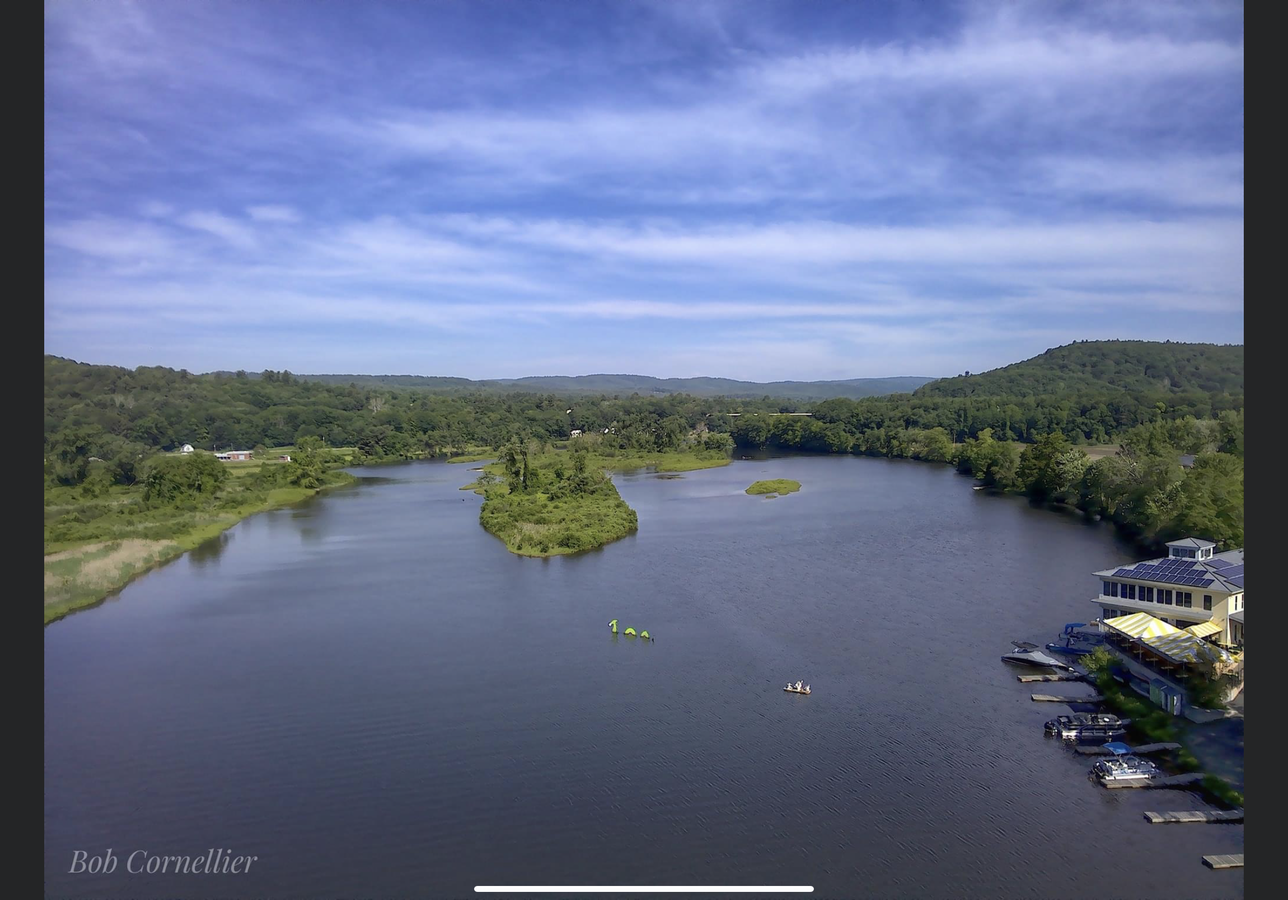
(774, 486)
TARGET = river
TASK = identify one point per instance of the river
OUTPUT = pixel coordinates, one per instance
(373, 697)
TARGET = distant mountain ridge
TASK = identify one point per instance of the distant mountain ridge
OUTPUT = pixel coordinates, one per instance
(853, 388)
(1137, 366)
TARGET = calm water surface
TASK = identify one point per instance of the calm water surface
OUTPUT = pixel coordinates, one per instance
(374, 697)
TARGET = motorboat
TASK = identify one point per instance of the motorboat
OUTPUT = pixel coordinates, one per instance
(1076, 643)
(1087, 726)
(1125, 769)
(1029, 655)
(797, 688)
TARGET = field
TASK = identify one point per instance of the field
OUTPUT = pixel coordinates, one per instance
(95, 545)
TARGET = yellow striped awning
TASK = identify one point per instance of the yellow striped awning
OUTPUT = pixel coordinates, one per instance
(1203, 629)
(1141, 625)
(1182, 648)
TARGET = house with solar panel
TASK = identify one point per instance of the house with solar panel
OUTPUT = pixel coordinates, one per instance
(1194, 589)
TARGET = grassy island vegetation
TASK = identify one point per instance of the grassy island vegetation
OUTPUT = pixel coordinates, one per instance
(551, 503)
(774, 486)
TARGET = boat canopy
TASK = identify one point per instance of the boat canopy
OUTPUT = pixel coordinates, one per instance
(1203, 629)
(1117, 748)
(1141, 625)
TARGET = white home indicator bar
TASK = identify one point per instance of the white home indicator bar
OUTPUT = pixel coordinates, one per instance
(644, 889)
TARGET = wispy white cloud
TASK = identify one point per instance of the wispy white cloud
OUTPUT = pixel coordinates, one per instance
(221, 226)
(677, 176)
(272, 213)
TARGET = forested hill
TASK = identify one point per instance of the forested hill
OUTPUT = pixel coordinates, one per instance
(644, 384)
(1144, 367)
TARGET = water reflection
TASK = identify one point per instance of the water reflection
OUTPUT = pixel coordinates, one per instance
(208, 552)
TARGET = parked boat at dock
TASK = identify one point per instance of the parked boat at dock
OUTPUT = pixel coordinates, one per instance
(1088, 726)
(1076, 642)
(1125, 770)
(1029, 655)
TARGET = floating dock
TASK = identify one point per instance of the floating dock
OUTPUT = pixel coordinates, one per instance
(1166, 781)
(1143, 748)
(1052, 698)
(1194, 816)
(1059, 676)
(1229, 861)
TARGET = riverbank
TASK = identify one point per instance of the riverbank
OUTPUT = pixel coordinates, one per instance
(95, 546)
(1154, 725)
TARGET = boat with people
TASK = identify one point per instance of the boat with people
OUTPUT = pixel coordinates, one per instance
(1029, 655)
(1088, 726)
(797, 688)
(1125, 769)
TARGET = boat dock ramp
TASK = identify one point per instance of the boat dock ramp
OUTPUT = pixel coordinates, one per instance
(1143, 748)
(1194, 816)
(1228, 861)
(1052, 698)
(1058, 676)
(1167, 781)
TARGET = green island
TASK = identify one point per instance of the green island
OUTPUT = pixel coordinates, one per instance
(551, 503)
(548, 501)
(774, 486)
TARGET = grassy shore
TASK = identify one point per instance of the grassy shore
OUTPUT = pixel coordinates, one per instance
(473, 457)
(774, 486)
(679, 461)
(95, 546)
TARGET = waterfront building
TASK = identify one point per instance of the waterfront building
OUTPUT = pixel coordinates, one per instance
(1194, 588)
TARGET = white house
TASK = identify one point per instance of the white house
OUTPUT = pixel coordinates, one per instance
(1191, 585)
(186, 448)
(576, 432)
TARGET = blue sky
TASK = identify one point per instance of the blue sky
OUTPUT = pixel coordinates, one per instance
(753, 190)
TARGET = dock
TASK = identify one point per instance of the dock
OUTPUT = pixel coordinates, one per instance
(1166, 781)
(1228, 861)
(1059, 676)
(1194, 816)
(1143, 748)
(1052, 698)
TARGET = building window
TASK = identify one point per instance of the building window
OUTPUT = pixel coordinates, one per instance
(1167, 597)
(1105, 586)
(1185, 599)
(1207, 602)
(1149, 595)
(1113, 589)
(1131, 591)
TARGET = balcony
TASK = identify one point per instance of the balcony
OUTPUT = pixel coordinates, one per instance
(1159, 610)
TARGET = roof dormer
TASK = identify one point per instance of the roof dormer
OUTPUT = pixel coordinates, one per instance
(1190, 548)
